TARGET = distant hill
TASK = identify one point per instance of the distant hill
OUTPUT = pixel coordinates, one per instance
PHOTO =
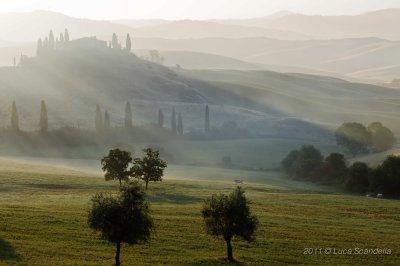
(344, 57)
(195, 60)
(381, 24)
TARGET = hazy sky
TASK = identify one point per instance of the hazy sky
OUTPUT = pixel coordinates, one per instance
(193, 9)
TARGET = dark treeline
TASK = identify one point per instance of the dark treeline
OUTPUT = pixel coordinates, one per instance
(309, 164)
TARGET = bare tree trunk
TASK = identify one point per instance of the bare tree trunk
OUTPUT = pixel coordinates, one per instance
(119, 182)
(229, 249)
(147, 184)
(117, 262)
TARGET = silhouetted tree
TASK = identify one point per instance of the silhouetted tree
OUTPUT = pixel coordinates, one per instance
(128, 116)
(173, 121)
(14, 117)
(382, 138)
(44, 122)
(116, 165)
(304, 163)
(128, 43)
(334, 168)
(160, 118)
(66, 35)
(61, 37)
(207, 120)
(99, 119)
(354, 137)
(180, 124)
(386, 177)
(358, 180)
(39, 47)
(51, 40)
(229, 216)
(114, 41)
(122, 219)
(150, 167)
(107, 123)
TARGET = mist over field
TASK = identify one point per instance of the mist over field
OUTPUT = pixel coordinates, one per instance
(275, 136)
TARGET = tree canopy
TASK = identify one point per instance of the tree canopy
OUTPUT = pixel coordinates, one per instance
(229, 216)
(150, 167)
(116, 165)
(354, 137)
(121, 219)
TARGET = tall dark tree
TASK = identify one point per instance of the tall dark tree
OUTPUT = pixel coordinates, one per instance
(150, 167)
(39, 47)
(116, 165)
(122, 219)
(44, 122)
(107, 122)
(66, 35)
(99, 119)
(14, 117)
(207, 120)
(128, 116)
(173, 121)
(358, 180)
(386, 177)
(229, 216)
(160, 118)
(114, 41)
(128, 43)
(180, 124)
(51, 40)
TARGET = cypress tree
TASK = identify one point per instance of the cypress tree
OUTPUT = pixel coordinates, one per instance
(173, 121)
(99, 119)
(207, 120)
(66, 36)
(39, 47)
(128, 43)
(128, 116)
(180, 124)
(114, 41)
(51, 40)
(160, 118)
(107, 125)
(14, 117)
(44, 122)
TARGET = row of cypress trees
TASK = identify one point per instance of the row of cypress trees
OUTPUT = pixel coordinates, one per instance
(115, 44)
(176, 124)
(50, 43)
(43, 123)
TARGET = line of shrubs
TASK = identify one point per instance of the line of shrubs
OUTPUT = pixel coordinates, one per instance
(309, 164)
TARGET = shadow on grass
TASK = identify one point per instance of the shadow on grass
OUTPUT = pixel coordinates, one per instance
(217, 262)
(174, 198)
(7, 252)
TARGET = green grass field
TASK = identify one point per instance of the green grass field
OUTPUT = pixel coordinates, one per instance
(43, 213)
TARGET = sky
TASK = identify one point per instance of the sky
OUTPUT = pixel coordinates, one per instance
(194, 9)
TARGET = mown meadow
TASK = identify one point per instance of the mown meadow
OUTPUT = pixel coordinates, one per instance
(43, 221)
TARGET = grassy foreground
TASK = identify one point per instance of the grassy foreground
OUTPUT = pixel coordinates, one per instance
(43, 213)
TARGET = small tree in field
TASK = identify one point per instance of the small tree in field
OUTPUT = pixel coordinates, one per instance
(122, 219)
(116, 165)
(229, 216)
(150, 167)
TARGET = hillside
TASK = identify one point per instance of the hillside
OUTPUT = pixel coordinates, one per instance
(299, 95)
(343, 57)
(86, 72)
(380, 24)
